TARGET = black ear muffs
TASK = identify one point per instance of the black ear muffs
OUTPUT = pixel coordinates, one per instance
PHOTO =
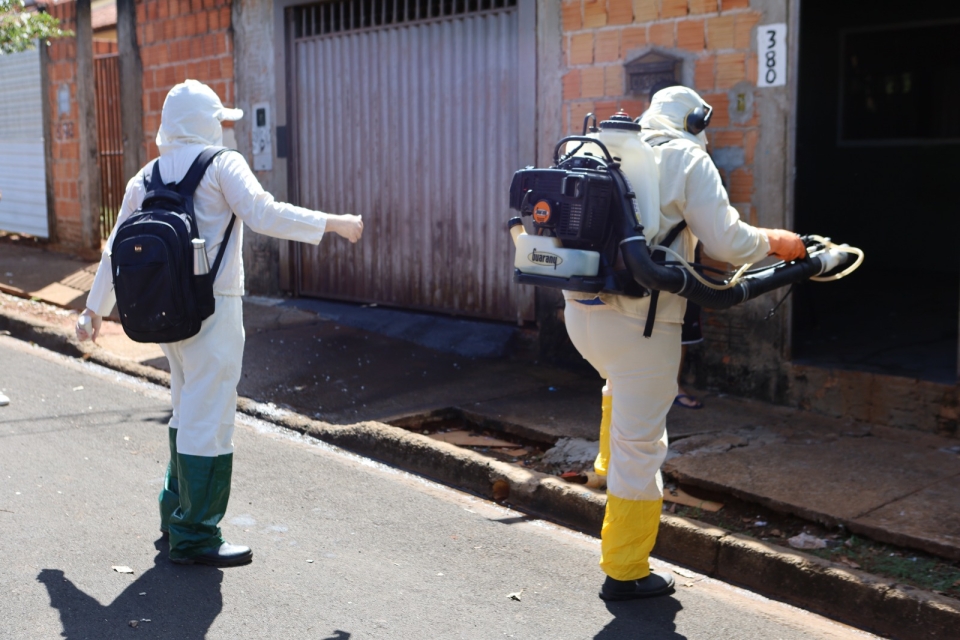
(698, 119)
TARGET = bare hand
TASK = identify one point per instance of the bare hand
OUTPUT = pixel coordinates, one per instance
(785, 245)
(347, 225)
(92, 330)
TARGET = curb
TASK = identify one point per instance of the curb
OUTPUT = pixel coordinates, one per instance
(847, 595)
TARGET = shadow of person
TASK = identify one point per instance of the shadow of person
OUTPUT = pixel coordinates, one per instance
(634, 619)
(179, 602)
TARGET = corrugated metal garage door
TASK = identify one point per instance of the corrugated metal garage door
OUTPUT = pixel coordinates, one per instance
(408, 111)
(23, 183)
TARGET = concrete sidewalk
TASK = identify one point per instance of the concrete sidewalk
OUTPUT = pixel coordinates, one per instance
(344, 363)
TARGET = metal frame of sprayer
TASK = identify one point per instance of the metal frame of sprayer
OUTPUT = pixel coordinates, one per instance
(586, 202)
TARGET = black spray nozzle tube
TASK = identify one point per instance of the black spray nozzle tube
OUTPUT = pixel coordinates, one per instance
(653, 276)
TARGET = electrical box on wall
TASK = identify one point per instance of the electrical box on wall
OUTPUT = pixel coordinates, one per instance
(262, 147)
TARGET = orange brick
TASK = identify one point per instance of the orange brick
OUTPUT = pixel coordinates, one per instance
(578, 111)
(690, 35)
(704, 74)
(613, 80)
(581, 49)
(632, 38)
(662, 34)
(607, 47)
(750, 145)
(753, 68)
(743, 29)
(726, 5)
(720, 32)
(731, 69)
(633, 107)
(605, 109)
(572, 20)
(645, 10)
(225, 17)
(571, 85)
(703, 6)
(620, 12)
(741, 185)
(673, 8)
(594, 13)
(721, 109)
(592, 82)
(725, 138)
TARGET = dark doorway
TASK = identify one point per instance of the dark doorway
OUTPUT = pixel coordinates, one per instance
(878, 147)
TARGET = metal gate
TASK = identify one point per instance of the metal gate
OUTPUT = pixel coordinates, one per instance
(109, 139)
(408, 112)
(23, 176)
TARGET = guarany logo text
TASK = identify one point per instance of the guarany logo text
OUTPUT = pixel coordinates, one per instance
(546, 259)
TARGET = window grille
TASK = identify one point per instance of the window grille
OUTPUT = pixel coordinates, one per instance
(340, 16)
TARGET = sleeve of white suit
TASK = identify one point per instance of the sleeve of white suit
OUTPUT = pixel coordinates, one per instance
(711, 218)
(101, 298)
(259, 210)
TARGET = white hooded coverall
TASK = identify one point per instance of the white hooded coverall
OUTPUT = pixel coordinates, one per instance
(641, 373)
(205, 369)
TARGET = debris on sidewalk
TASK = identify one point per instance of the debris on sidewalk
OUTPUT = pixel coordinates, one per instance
(572, 453)
(679, 496)
(807, 541)
(501, 490)
(467, 439)
(122, 569)
(587, 477)
(515, 595)
(847, 561)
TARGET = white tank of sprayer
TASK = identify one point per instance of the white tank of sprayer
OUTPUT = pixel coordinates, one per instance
(621, 135)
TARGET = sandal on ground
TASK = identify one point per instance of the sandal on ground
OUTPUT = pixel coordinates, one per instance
(687, 402)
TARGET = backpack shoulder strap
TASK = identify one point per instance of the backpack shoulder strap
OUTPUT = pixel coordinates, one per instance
(195, 174)
(153, 181)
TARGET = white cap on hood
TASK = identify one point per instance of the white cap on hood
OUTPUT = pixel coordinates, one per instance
(191, 114)
(668, 113)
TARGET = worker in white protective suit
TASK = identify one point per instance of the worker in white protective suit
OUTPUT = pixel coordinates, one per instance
(205, 369)
(641, 373)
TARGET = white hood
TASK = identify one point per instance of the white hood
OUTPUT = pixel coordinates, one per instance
(668, 112)
(191, 114)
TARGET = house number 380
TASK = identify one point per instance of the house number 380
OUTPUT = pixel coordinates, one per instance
(772, 61)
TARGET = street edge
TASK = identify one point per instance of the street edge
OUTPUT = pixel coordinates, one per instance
(847, 595)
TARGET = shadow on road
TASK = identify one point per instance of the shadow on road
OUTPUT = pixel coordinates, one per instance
(654, 618)
(178, 601)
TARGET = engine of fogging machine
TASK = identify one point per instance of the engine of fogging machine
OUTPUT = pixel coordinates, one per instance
(595, 211)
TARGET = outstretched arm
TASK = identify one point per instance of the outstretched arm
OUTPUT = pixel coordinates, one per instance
(261, 212)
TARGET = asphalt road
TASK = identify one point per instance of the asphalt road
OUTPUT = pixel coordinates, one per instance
(343, 547)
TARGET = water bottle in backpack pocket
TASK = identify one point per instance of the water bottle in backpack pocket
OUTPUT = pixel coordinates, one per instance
(163, 295)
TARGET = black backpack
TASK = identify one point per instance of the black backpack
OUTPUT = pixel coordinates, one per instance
(158, 296)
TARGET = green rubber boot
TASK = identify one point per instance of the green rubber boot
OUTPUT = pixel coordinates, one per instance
(204, 485)
(170, 493)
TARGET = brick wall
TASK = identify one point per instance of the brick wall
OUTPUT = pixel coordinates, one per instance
(599, 36)
(178, 39)
(182, 39)
(65, 145)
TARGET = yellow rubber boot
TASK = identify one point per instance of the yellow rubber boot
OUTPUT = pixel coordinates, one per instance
(628, 535)
(602, 463)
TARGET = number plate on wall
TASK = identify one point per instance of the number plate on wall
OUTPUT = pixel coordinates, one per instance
(772, 55)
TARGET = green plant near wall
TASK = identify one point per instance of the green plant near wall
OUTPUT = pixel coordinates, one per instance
(20, 29)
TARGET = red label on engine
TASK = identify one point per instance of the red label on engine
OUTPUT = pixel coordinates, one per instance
(541, 211)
